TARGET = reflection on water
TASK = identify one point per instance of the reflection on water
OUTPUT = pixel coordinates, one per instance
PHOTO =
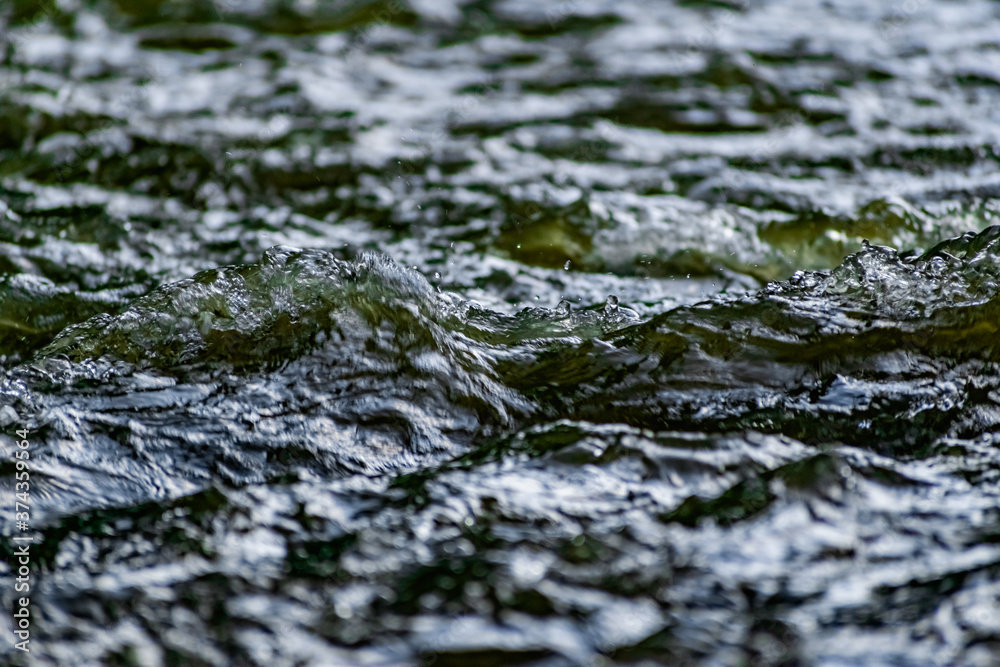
(503, 332)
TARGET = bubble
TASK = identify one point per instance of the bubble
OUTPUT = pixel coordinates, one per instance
(611, 305)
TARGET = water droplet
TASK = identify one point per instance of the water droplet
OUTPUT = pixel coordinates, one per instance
(566, 265)
(437, 276)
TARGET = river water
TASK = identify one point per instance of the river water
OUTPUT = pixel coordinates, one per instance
(502, 332)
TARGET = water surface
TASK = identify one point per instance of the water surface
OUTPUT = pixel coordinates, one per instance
(373, 333)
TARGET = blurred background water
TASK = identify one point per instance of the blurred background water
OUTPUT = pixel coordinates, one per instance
(501, 332)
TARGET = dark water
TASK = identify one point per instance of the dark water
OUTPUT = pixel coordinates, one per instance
(488, 333)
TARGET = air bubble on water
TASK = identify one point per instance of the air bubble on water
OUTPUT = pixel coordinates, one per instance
(564, 307)
(611, 305)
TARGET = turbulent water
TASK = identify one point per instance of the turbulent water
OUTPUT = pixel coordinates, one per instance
(502, 332)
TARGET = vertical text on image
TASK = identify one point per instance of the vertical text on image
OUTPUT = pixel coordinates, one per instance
(22, 543)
